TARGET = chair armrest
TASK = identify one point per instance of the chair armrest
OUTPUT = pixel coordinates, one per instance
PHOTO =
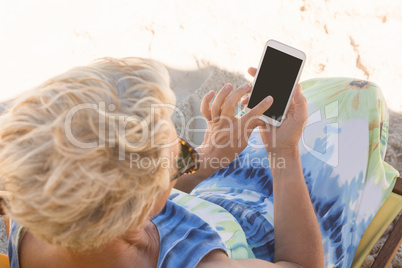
(398, 186)
(394, 240)
(390, 247)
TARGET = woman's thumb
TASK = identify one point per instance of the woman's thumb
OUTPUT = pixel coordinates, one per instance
(298, 96)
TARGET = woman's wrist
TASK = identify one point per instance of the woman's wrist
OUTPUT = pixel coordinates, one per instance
(291, 151)
(208, 163)
(281, 158)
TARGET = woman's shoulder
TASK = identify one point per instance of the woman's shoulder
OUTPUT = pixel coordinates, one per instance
(14, 239)
(24, 249)
(184, 237)
(190, 227)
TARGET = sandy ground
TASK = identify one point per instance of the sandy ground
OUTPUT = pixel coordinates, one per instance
(207, 43)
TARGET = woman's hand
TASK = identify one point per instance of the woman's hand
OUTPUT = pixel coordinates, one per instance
(287, 136)
(226, 136)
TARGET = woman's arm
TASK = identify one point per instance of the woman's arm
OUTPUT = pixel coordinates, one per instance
(186, 183)
(297, 234)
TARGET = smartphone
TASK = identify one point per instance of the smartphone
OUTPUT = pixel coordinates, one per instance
(277, 75)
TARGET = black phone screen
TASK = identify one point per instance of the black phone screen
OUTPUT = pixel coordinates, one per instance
(276, 77)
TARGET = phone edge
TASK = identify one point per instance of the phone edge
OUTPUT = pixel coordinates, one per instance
(263, 117)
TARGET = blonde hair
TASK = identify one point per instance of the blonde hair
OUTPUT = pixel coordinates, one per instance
(82, 198)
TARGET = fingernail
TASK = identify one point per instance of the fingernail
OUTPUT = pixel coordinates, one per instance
(210, 93)
(268, 99)
(227, 86)
(245, 86)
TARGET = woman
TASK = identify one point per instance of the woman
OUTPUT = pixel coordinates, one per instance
(79, 195)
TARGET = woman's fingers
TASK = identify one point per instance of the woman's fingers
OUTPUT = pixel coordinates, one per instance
(229, 105)
(219, 100)
(298, 95)
(301, 104)
(300, 100)
(204, 109)
(250, 125)
(252, 71)
(244, 100)
(258, 110)
(255, 123)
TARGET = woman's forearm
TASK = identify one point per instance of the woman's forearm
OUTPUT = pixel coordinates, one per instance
(208, 165)
(186, 183)
(297, 234)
